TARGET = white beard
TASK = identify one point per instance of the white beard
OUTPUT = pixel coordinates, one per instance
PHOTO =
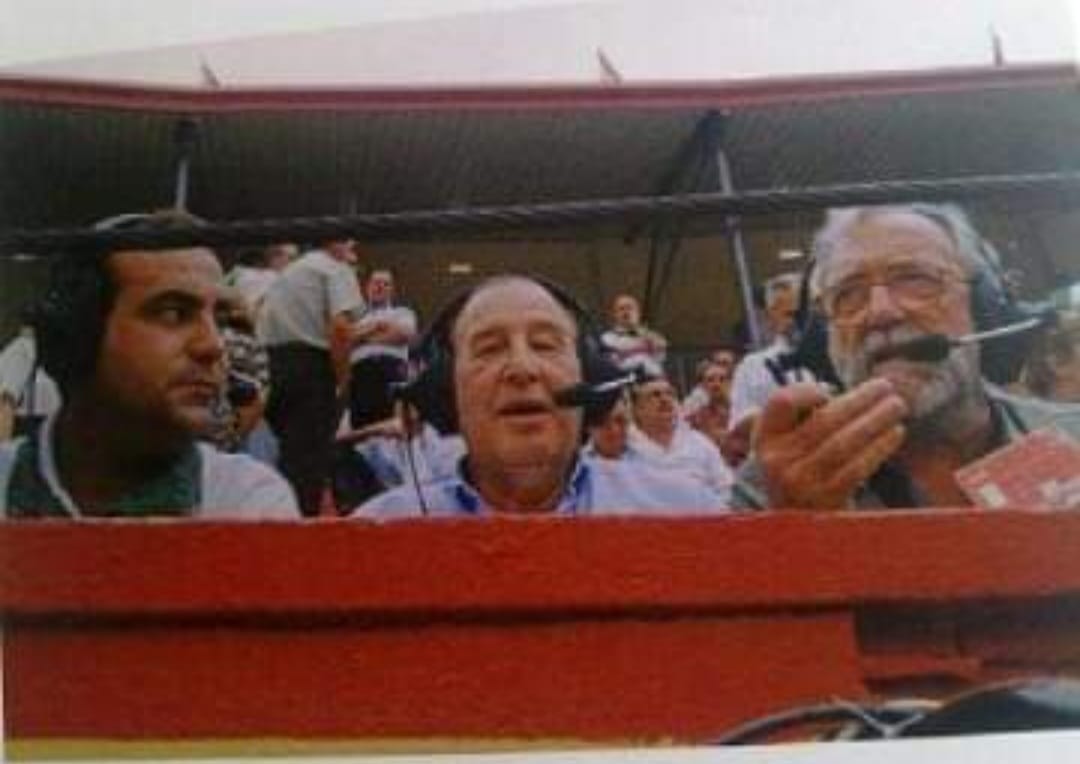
(938, 391)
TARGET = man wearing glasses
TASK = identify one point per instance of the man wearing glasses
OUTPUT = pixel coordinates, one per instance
(896, 436)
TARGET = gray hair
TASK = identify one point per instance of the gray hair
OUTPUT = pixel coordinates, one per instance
(970, 251)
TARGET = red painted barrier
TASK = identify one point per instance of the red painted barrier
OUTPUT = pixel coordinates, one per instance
(596, 629)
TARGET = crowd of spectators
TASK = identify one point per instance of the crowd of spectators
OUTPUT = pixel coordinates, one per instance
(297, 384)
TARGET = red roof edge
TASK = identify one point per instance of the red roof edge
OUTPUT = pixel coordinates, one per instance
(658, 95)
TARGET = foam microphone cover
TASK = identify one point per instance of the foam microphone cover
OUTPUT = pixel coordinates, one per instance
(574, 396)
(930, 349)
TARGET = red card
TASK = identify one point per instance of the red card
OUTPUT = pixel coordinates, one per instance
(1039, 471)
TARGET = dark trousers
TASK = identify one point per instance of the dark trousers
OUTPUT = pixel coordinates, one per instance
(370, 398)
(303, 413)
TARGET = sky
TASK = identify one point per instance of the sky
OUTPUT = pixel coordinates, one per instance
(29, 30)
(172, 42)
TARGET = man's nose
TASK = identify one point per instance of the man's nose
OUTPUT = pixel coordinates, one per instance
(207, 342)
(881, 308)
(521, 363)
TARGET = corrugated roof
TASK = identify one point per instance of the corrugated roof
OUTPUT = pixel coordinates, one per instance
(69, 161)
(72, 153)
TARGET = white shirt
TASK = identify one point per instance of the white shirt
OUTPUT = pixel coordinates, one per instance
(695, 399)
(638, 349)
(595, 487)
(16, 369)
(434, 456)
(753, 383)
(233, 486)
(304, 297)
(252, 284)
(403, 319)
(690, 453)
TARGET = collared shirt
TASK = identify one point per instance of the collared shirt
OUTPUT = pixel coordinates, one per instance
(304, 297)
(595, 487)
(202, 482)
(753, 382)
(430, 455)
(689, 453)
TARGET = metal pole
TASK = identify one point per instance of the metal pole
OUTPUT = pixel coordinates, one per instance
(738, 252)
(184, 135)
(1059, 190)
(180, 194)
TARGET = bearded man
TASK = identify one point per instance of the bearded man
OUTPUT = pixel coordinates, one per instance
(903, 427)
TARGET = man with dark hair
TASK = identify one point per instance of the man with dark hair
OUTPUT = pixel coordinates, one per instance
(131, 338)
(307, 327)
(723, 358)
(711, 418)
(511, 346)
(610, 437)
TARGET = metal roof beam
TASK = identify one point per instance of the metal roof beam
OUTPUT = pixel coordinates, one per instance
(1059, 187)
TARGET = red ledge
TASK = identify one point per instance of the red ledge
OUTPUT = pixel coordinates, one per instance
(541, 565)
(659, 95)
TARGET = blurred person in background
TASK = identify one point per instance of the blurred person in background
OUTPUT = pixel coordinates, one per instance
(711, 418)
(257, 270)
(609, 438)
(632, 345)
(1053, 367)
(27, 393)
(661, 438)
(380, 359)
(307, 326)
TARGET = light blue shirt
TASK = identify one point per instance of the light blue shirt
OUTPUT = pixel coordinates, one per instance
(596, 487)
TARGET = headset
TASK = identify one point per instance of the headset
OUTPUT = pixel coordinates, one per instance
(432, 389)
(992, 306)
(69, 320)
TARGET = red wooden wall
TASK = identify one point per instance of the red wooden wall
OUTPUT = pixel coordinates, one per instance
(588, 629)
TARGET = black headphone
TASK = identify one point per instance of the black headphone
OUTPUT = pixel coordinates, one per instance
(992, 306)
(432, 389)
(69, 319)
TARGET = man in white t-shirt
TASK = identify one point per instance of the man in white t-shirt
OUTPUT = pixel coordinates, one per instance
(660, 437)
(131, 338)
(761, 373)
(381, 357)
(632, 345)
(253, 276)
(307, 327)
(27, 393)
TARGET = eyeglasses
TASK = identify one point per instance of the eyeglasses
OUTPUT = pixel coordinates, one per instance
(910, 286)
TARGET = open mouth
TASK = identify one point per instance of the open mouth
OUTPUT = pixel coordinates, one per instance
(894, 351)
(524, 409)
